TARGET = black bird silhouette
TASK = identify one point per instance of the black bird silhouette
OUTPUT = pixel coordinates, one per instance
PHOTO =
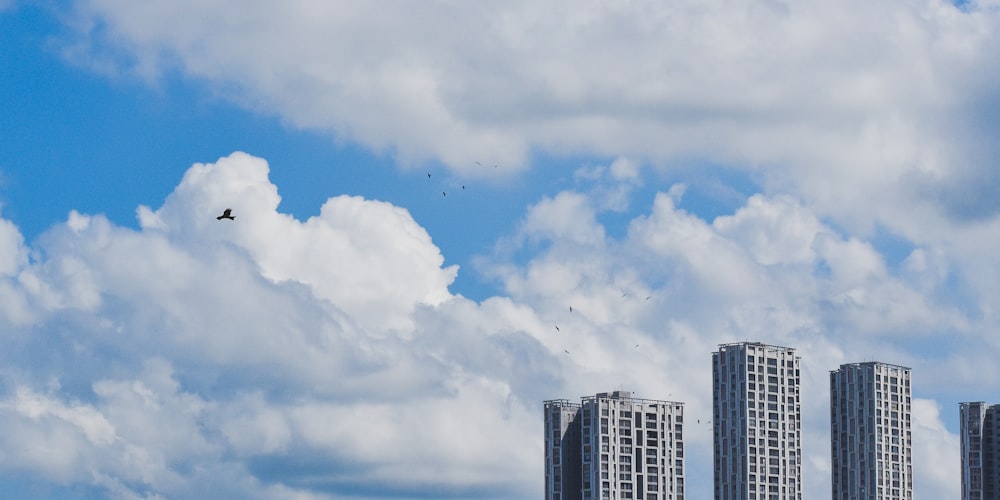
(557, 327)
(226, 214)
(570, 308)
(428, 175)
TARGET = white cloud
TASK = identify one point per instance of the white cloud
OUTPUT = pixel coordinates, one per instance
(368, 257)
(777, 231)
(566, 218)
(249, 340)
(195, 348)
(12, 252)
(13, 257)
(872, 112)
(772, 272)
(275, 353)
(934, 476)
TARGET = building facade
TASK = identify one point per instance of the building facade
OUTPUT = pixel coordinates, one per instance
(757, 422)
(562, 450)
(628, 448)
(870, 435)
(980, 448)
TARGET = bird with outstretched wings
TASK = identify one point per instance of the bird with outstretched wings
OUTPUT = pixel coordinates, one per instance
(226, 214)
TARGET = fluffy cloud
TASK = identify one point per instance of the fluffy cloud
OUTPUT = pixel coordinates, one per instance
(357, 253)
(327, 356)
(660, 299)
(13, 256)
(145, 362)
(931, 441)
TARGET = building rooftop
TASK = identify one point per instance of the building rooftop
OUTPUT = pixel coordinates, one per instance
(723, 347)
(873, 363)
(627, 395)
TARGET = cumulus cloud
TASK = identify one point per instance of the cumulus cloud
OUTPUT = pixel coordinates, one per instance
(931, 442)
(273, 357)
(329, 357)
(13, 257)
(660, 299)
(356, 253)
(12, 252)
(147, 362)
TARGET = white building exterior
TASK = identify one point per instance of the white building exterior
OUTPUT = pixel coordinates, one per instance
(757, 422)
(870, 435)
(629, 448)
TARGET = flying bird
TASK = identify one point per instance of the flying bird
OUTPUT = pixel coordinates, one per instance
(570, 308)
(428, 175)
(557, 327)
(226, 214)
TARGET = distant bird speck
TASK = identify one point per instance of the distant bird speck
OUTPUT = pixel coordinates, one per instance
(428, 175)
(649, 297)
(565, 351)
(226, 214)
(570, 308)
(444, 193)
(557, 328)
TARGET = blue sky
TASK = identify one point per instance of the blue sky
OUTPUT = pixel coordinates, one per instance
(811, 175)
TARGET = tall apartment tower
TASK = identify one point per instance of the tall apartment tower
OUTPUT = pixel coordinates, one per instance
(626, 448)
(562, 450)
(757, 422)
(870, 434)
(980, 434)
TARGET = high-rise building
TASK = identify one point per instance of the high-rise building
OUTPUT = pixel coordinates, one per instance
(980, 434)
(757, 422)
(625, 447)
(870, 434)
(562, 450)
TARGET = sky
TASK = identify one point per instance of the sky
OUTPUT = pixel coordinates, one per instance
(423, 190)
